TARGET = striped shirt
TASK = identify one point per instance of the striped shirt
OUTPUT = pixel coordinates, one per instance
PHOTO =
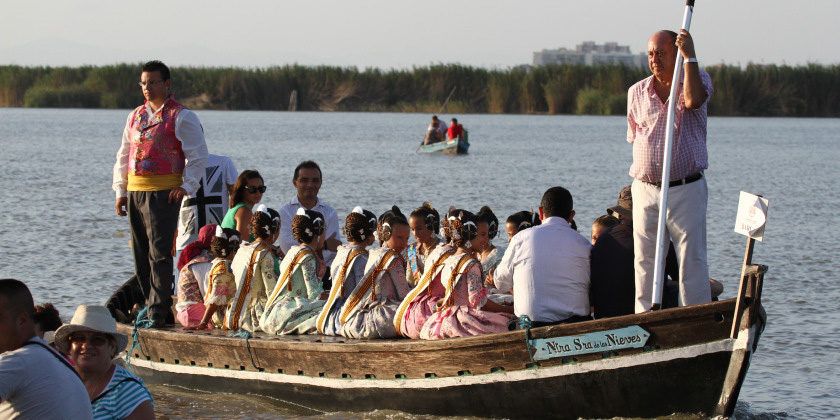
(122, 395)
(646, 123)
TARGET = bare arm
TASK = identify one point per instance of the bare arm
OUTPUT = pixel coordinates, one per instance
(144, 411)
(693, 90)
(243, 222)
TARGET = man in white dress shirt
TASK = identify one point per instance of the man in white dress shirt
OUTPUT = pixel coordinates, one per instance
(547, 266)
(161, 159)
(307, 180)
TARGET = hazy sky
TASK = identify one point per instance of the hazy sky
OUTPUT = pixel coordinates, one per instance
(399, 33)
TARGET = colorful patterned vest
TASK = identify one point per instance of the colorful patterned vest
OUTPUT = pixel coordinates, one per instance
(154, 148)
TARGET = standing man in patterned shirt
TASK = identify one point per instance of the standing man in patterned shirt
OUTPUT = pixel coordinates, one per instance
(161, 159)
(647, 108)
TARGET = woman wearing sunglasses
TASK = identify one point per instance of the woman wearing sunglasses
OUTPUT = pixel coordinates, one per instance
(92, 341)
(247, 192)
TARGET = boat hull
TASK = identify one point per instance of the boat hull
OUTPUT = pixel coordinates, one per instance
(451, 147)
(688, 363)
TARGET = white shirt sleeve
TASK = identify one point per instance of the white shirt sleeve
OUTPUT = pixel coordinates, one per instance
(189, 132)
(230, 174)
(121, 167)
(286, 240)
(503, 275)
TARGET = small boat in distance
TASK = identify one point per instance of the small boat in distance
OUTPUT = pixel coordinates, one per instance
(452, 146)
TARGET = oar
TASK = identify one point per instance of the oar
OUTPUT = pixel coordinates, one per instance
(661, 237)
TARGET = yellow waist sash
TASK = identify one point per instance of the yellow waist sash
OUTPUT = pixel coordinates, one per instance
(154, 182)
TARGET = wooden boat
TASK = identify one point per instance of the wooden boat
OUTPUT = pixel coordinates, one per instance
(682, 360)
(452, 147)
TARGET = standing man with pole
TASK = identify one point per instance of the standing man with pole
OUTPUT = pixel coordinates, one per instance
(684, 215)
(161, 159)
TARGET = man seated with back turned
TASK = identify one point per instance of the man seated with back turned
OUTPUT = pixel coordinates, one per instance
(613, 286)
(455, 131)
(36, 382)
(547, 266)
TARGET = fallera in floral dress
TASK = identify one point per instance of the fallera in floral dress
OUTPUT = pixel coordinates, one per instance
(369, 310)
(459, 314)
(190, 291)
(220, 288)
(293, 306)
(253, 269)
(347, 270)
(420, 303)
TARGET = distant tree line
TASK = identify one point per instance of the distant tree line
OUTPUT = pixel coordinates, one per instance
(757, 90)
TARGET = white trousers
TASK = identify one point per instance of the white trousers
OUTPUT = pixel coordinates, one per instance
(685, 223)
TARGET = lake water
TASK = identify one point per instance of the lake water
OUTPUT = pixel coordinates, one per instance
(62, 237)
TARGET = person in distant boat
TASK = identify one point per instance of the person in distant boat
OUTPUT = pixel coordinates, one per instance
(440, 127)
(424, 222)
(519, 221)
(92, 341)
(247, 192)
(348, 267)
(455, 131)
(432, 134)
(161, 159)
(36, 382)
(547, 266)
(647, 109)
(465, 308)
(307, 181)
(601, 224)
(370, 309)
(209, 204)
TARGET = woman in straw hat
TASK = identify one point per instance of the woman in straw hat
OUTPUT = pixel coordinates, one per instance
(92, 341)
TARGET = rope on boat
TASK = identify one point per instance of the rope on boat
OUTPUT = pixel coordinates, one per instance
(246, 335)
(525, 324)
(142, 322)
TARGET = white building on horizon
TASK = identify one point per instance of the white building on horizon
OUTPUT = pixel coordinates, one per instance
(590, 54)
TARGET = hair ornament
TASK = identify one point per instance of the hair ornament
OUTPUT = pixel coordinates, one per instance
(359, 210)
(263, 209)
(362, 234)
(220, 232)
(302, 212)
(524, 225)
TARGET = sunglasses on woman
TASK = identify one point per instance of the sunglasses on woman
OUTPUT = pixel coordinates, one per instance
(253, 190)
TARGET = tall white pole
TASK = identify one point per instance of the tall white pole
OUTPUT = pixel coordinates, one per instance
(661, 234)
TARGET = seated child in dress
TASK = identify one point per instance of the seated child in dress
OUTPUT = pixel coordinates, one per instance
(519, 221)
(221, 285)
(601, 224)
(465, 309)
(296, 301)
(194, 265)
(348, 267)
(424, 222)
(253, 269)
(370, 308)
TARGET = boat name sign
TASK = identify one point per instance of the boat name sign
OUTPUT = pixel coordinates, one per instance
(623, 338)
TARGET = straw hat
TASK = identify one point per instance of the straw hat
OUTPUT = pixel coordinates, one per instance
(90, 318)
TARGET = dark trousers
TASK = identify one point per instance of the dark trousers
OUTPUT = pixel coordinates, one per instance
(153, 220)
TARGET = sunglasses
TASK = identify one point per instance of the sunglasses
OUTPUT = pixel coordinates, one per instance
(253, 190)
(96, 340)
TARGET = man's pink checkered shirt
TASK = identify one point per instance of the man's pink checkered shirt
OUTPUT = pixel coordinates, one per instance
(646, 120)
